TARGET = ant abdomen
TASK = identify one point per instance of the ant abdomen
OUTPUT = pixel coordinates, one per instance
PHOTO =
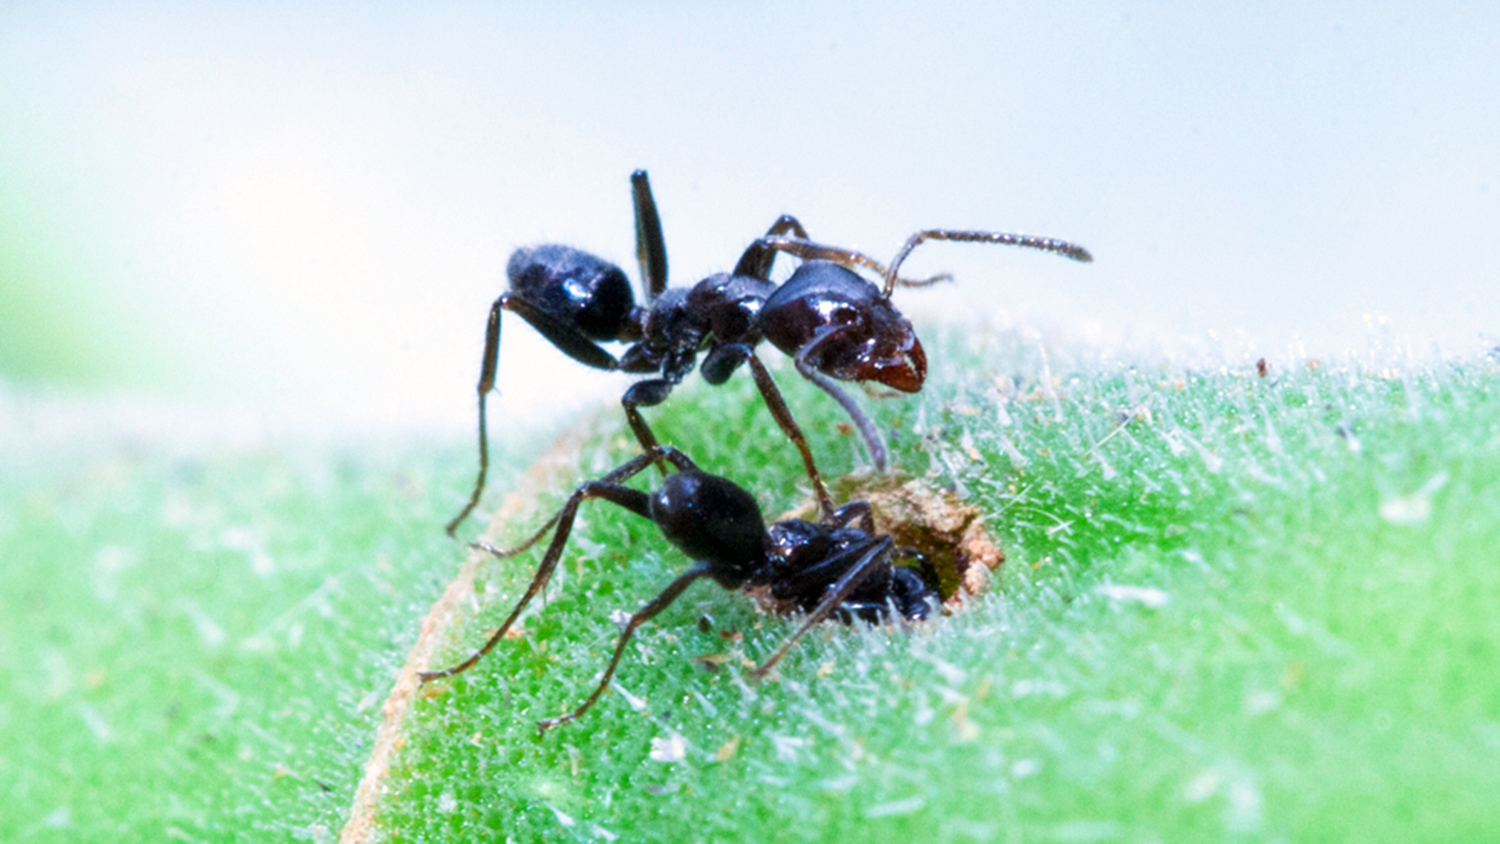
(588, 292)
(711, 518)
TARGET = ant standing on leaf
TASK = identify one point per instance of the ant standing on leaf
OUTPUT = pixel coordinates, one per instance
(838, 566)
(835, 324)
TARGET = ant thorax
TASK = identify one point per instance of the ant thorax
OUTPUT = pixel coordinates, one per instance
(729, 306)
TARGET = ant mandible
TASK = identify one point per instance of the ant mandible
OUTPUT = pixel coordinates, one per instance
(837, 566)
(833, 323)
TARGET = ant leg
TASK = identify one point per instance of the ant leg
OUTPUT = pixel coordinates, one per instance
(913, 593)
(561, 334)
(787, 223)
(783, 416)
(645, 614)
(878, 549)
(925, 565)
(488, 364)
(650, 247)
(1047, 244)
(609, 489)
(619, 473)
(874, 440)
(722, 361)
(757, 258)
(649, 393)
(565, 337)
(857, 513)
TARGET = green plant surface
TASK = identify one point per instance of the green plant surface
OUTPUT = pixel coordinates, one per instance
(1234, 608)
(195, 646)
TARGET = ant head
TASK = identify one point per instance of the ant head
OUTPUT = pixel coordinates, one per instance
(714, 519)
(847, 329)
(589, 292)
(876, 344)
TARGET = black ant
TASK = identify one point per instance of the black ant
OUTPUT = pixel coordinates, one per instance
(837, 567)
(833, 323)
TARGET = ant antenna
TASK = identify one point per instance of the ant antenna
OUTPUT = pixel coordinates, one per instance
(1047, 244)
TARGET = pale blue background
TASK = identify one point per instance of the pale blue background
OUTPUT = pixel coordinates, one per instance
(310, 208)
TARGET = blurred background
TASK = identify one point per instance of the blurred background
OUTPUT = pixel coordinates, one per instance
(305, 209)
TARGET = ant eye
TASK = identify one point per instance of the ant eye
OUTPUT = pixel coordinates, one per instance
(844, 316)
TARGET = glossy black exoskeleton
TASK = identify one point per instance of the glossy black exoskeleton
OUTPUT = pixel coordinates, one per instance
(835, 324)
(839, 566)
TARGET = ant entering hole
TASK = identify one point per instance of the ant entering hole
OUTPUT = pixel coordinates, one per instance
(839, 566)
(949, 534)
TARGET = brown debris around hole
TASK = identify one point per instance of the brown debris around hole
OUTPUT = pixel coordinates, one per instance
(919, 514)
